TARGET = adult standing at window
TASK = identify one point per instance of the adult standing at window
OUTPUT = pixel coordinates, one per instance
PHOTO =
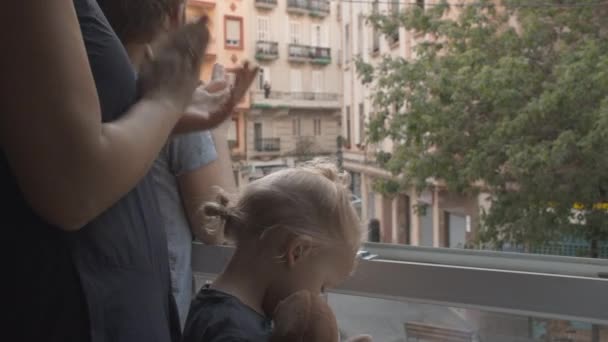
(87, 257)
(191, 164)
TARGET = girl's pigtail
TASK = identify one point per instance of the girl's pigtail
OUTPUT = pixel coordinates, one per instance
(220, 215)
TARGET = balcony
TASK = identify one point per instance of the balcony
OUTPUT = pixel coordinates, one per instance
(315, 8)
(266, 51)
(267, 144)
(298, 6)
(298, 53)
(313, 54)
(266, 4)
(303, 100)
(404, 293)
(206, 4)
(320, 55)
(319, 8)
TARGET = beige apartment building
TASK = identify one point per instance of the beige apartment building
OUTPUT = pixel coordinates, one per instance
(294, 109)
(296, 100)
(228, 47)
(448, 220)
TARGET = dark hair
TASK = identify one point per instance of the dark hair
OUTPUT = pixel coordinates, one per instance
(138, 20)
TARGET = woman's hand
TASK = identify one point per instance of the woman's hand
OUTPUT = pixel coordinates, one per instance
(171, 72)
(244, 77)
(206, 111)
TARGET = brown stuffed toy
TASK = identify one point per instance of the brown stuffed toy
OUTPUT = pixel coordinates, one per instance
(304, 317)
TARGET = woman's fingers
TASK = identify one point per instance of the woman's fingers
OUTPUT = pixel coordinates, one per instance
(216, 86)
(172, 71)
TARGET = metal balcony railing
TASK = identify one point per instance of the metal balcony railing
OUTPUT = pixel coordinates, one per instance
(298, 5)
(298, 52)
(268, 144)
(313, 54)
(266, 3)
(319, 7)
(316, 8)
(312, 96)
(266, 50)
(298, 95)
(320, 55)
(282, 99)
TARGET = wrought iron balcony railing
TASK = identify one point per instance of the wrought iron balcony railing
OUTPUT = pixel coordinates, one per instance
(265, 50)
(268, 144)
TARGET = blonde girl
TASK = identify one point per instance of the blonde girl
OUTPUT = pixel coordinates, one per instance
(294, 230)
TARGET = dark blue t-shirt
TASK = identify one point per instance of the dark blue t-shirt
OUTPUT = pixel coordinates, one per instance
(216, 316)
(110, 280)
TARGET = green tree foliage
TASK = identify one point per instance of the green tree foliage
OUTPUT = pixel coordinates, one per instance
(511, 100)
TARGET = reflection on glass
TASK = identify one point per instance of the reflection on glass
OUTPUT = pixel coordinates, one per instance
(395, 321)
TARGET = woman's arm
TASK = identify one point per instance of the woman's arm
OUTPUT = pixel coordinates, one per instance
(70, 166)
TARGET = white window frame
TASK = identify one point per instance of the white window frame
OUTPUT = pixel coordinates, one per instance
(317, 37)
(295, 80)
(317, 124)
(317, 81)
(295, 32)
(296, 126)
(263, 32)
(236, 43)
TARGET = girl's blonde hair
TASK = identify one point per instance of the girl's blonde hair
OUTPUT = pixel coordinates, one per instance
(310, 200)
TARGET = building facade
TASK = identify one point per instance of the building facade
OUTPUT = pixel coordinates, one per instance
(431, 218)
(293, 112)
(296, 101)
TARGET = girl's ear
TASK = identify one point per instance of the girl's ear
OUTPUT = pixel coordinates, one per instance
(298, 248)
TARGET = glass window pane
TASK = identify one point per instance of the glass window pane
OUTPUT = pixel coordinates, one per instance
(233, 32)
(388, 320)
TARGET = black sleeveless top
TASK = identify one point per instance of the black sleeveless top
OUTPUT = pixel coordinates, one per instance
(110, 280)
